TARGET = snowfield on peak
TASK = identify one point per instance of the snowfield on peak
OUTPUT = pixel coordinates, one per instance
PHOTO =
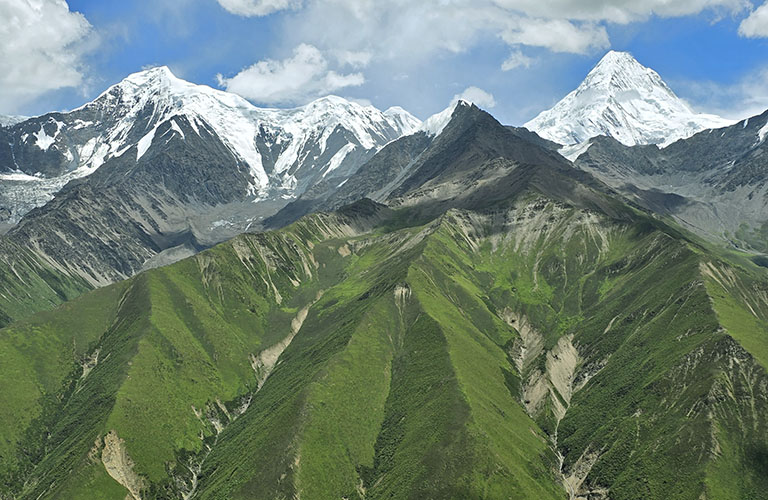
(625, 100)
(285, 150)
(238, 122)
(10, 120)
(435, 124)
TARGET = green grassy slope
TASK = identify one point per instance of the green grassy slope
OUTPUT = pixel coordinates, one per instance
(531, 352)
(29, 285)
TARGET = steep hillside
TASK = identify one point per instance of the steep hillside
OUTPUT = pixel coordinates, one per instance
(539, 349)
(29, 284)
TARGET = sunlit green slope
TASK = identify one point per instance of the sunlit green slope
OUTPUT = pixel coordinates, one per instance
(538, 350)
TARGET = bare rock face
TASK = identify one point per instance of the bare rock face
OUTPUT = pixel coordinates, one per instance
(713, 183)
(120, 466)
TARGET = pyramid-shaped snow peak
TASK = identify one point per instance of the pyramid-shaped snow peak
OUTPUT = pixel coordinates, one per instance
(625, 100)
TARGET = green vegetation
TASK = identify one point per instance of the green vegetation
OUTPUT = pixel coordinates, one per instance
(29, 285)
(522, 353)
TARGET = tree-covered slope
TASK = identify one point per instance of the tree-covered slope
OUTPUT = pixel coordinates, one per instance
(538, 350)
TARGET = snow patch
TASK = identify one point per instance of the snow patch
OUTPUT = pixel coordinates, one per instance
(338, 158)
(176, 128)
(144, 143)
(573, 152)
(762, 133)
(435, 124)
(11, 120)
(43, 140)
(19, 177)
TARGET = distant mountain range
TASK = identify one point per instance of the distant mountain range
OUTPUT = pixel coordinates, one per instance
(156, 169)
(284, 150)
(168, 167)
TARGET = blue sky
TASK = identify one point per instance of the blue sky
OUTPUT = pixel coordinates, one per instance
(390, 52)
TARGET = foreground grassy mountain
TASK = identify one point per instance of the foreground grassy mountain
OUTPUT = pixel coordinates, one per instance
(29, 284)
(541, 349)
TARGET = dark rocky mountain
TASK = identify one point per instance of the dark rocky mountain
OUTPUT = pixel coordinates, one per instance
(107, 226)
(472, 162)
(714, 183)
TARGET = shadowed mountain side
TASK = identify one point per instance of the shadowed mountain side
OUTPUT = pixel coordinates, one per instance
(474, 162)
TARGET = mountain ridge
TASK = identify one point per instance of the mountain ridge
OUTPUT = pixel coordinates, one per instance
(490, 320)
(44, 153)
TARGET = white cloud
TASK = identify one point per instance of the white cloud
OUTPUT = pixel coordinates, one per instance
(619, 11)
(557, 35)
(294, 80)
(251, 8)
(42, 44)
(742, 99)
(359, 59)
(478, 96)
(404, 29)
(756, 25)
(516, 60)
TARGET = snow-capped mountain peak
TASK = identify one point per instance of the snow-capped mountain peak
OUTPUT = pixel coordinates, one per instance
(285, 150)
(435, 124)
(406, 121)
(625, 100)
(157, 74)
(251, 132)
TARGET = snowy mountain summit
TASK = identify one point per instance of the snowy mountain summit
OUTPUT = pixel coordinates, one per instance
(284, 151)
(622, 99)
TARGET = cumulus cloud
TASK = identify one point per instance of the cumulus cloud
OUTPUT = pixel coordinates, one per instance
(558, 35)
(395, 29)
(42, 44)
(294, 80)
(253, 8)
(404, 36)
(516, 60)
(756, 25)
(477, 96)
(619, 11)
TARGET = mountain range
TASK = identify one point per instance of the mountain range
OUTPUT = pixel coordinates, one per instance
(338, 302)
(203, 165)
